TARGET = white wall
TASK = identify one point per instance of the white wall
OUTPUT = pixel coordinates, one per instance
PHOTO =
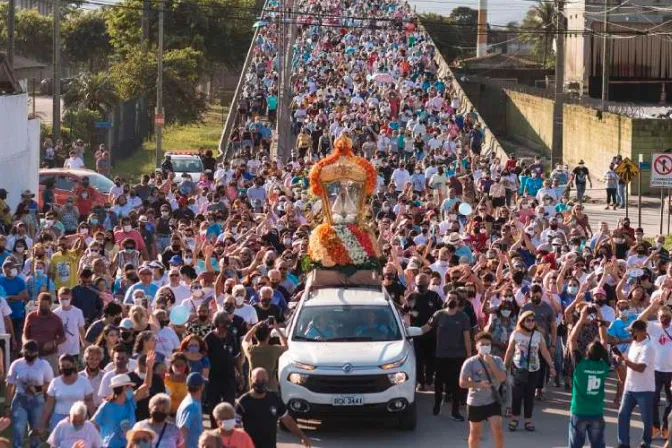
(19, 147)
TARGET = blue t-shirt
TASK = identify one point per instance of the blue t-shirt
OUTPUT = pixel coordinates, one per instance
(618, 329)
(198, 366)
(114, 420)
(190, 416)
(13, 287)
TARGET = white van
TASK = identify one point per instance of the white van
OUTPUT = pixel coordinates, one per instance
(350, 355)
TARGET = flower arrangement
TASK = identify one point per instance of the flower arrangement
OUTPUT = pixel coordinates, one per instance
(342, 246)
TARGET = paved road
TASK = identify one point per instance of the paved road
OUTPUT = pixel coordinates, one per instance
(551, 419)
(43, 108)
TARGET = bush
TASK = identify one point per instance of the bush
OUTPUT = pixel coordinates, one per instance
(82, 123)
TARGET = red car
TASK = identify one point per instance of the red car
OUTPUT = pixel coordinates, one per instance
(66, 180)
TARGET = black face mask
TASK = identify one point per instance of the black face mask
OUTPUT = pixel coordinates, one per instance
(259, 387)
(159, 416)
(422, 288)
(67, 371)
(117, 321)
(30, 357)
(229, 308)
(452, 304)
(265, 303)
(175, 247)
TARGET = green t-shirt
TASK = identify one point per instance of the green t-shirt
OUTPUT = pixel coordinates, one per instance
(588, 388)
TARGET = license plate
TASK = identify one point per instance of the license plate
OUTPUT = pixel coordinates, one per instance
(348, 400)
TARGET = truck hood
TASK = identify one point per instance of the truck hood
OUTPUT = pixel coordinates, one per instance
(335, 354)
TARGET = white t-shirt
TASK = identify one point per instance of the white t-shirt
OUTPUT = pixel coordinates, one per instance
(5, 311)
(67, 394)
(73, 320)
(248, 313)
(22, 375)
(167, 341)
(662, 346)
(95, 384)
(400, 177)
(181, 292)
(641, 353)
(105, 389)
(65, 436)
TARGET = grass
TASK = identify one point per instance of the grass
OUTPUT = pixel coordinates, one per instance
(175, 138)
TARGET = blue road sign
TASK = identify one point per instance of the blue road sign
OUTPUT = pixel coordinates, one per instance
(102, 124)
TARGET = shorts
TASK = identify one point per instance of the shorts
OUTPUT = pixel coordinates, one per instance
(482, 413)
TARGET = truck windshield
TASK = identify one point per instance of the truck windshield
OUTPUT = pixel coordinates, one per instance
(188, 165)
(345, 323)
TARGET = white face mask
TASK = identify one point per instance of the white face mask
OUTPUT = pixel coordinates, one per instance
(85, 231)
(20, 249)
(240, 300)
(127, 228)
(435, 288)
(198, 293)
(187, 260)
(65, 302)
(13, 272)
(228, 425)
(484, 349)
(505, 313)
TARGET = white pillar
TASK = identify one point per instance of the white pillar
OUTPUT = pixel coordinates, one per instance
(482, 29)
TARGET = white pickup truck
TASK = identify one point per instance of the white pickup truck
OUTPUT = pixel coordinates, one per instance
(350, 355)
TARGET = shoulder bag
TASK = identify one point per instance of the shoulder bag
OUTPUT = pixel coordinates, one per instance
(495, 390)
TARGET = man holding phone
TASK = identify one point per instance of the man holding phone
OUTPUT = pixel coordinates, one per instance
(263, 354)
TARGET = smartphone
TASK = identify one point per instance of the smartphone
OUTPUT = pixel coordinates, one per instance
(271, 320)
(615, 350)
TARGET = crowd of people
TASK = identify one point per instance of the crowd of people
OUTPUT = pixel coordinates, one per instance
(131, 323)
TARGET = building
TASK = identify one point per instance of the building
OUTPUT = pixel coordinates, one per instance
(504, 67)
(640, 65)
(42, 6)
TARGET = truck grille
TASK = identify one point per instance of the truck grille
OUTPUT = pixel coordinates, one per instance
(347, 384)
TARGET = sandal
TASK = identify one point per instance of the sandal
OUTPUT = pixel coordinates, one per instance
(529, 427)
(513, 425)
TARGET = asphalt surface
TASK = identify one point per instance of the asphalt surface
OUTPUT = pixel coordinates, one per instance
(551, 417)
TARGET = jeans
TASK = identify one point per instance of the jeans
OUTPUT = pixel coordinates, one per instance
(448, 376)
(621, 194)
(162, 241)
(663, 380)
(55, 418)
(26, 410)
(559, 355)
(580, 191)
(645, 402)
(580, 426)
(611, 196)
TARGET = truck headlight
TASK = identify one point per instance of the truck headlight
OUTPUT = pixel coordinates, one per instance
(303, 366)
(395, 364)
(297, 378)
(397, 378)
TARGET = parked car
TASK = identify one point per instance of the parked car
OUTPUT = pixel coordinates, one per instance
(186, 163)
(66, 180)
(47, 85)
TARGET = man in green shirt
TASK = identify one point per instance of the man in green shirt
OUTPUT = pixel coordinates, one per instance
(590, 372)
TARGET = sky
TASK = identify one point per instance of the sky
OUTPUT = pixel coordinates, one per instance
(500, 12)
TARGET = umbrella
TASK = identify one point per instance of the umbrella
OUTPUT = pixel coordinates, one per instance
(382, 77)
(259, 24)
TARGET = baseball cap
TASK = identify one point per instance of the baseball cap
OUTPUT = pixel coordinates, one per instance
(176, 260)
(195, 379)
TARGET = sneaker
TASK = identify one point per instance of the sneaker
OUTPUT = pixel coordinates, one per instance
(457, 418)
(655, 433)
(539, 395)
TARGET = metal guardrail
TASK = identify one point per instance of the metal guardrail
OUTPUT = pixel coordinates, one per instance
(232, 117)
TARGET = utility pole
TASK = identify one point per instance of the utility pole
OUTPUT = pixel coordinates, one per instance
(56, 78)
(158, 114)
(145, 25)
(557, 153)
(606, 59)
(482, 29)
(11, 32)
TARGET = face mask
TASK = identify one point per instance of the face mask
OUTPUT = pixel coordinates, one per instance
(84, 231)
(452, 304)
(20, 249)
(165, 214)
(65, 302)
(67, 371)
(39, 272)
(628, 313)
(187, 260)
(422, 288)
(435, 288)
(127, 228)
(198, 293)
(573, 290)
(287, 241)
(505, 313)
(141, 375)
(536, 300)
(159, 416)
(484, 349)
(13, 272)
(240, 300)
(259, 387)
(129, 394)
(30, 357)
(229, 307)
(228, 425)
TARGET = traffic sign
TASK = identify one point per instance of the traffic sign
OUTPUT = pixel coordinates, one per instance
(159, 120)
(102, 124)
(661, 170)
(644, 165)
(627, 170)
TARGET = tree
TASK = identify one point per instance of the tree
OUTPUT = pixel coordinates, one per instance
(85, 39)
(94, 92)
(541, 19)
(454, 35)
(136, 76)
(463, 15)
(33, 33)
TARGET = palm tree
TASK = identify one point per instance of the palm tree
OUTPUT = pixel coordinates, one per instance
(541, 21)
(93, 91)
